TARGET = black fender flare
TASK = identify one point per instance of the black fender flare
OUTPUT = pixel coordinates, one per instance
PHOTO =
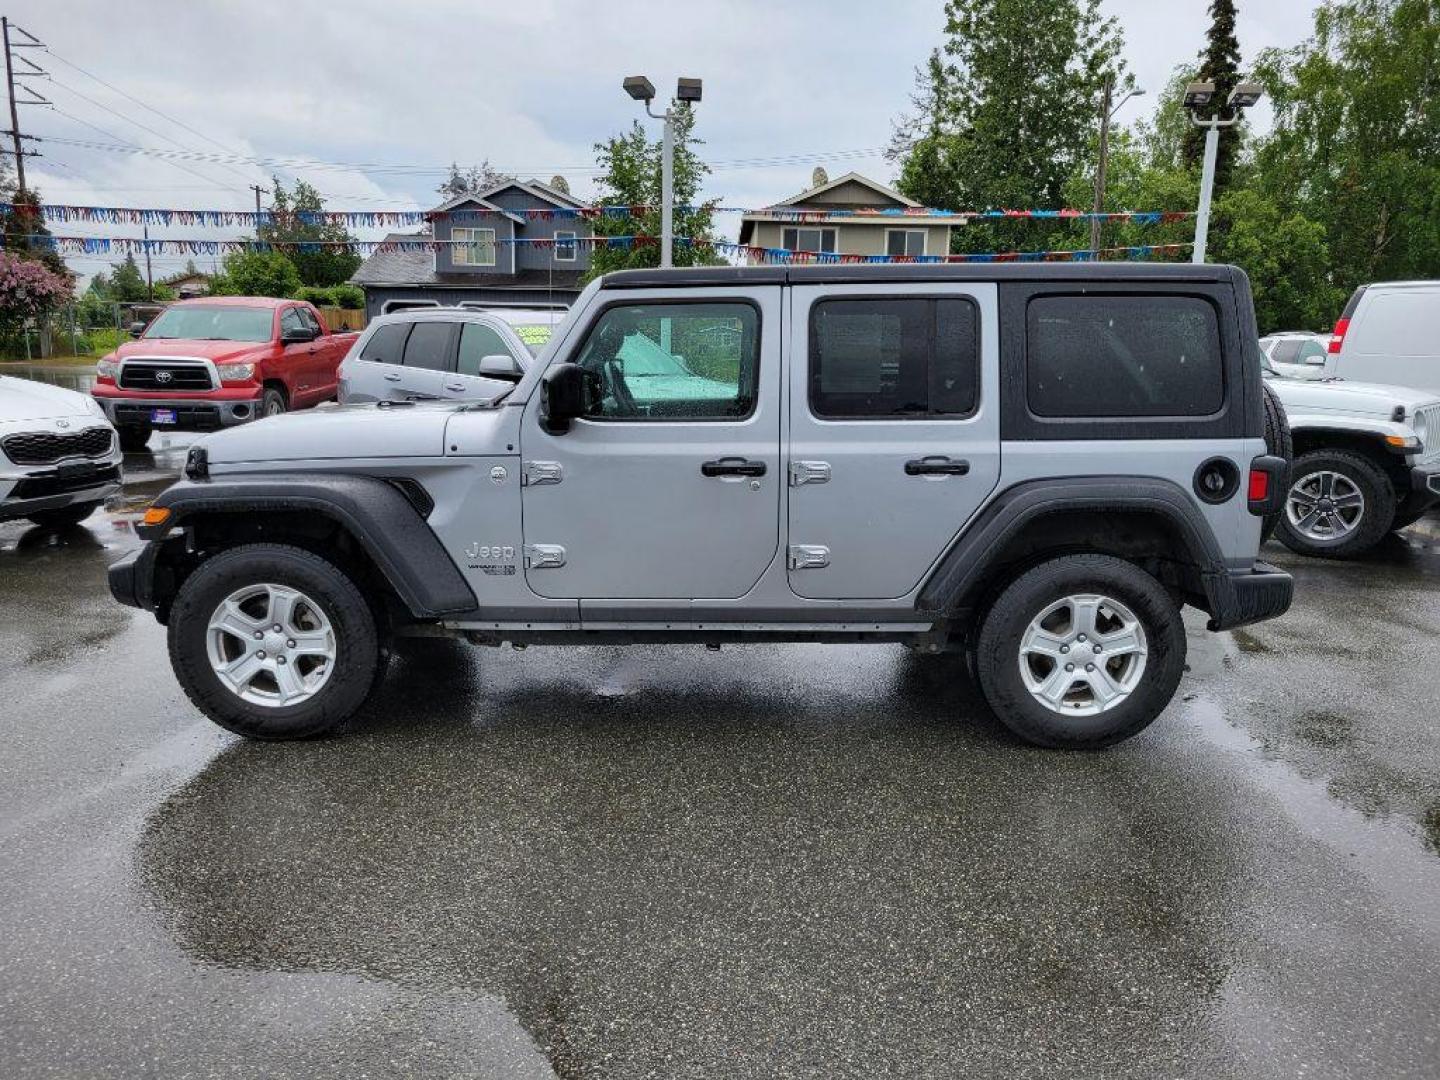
(970, 557)
(376, 512)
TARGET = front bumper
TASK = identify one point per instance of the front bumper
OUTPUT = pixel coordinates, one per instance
(55, 489)
(130, 577)
(1424, 487)
(1241, 597)
(219, 409)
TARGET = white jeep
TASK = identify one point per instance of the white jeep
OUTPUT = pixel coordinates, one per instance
(1366, 460)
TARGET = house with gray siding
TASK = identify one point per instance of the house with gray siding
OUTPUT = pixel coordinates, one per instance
(475, 256)
(850, 215)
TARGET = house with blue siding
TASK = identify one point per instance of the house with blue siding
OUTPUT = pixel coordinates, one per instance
(481, 248)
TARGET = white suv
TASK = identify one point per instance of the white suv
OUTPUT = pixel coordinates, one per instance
(444, 353)
(59, 456)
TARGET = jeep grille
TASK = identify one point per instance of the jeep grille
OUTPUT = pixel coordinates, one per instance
(46, 447)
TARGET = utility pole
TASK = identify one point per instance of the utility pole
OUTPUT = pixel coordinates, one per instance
(149, 279)
(1107, 113)
(30, 42)
(258, 192)
(1100, 164)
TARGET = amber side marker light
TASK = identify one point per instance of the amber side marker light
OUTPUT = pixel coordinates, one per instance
(156, 515)
(1402, 442)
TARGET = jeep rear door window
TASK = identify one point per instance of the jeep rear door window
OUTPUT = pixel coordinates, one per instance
(1118, 356)
(387, 344)
(696, 361)
(889, 357)
(428, 345)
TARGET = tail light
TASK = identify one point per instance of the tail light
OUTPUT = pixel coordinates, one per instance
(1337, 339)
(1265, 490)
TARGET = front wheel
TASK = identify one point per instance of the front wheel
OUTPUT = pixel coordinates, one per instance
(273, 403)
(273, 642)
(1339, 505)
(1081, 652)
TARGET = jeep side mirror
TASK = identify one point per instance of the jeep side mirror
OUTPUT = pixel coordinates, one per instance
(500, 366)
(562, 397)
(136, 329)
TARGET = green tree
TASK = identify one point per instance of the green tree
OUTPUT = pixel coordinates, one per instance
(480, 177)
(1006, 112)
(326, 262)
(1285, 256)
(1356, 140)
(1219, 64)
(127, 283)
(256, 273)
(630, 176)
(25, 231)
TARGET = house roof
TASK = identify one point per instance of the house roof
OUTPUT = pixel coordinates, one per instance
(848, 178)
(416, 268)
(471, 198)
(802, 209)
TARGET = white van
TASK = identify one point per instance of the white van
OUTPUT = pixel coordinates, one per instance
(1389, 333)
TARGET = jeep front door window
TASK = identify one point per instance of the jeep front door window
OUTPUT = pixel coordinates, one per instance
(673, 361)
(668, 488)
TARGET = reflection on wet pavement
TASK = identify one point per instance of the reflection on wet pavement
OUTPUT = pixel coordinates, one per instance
(768, 861)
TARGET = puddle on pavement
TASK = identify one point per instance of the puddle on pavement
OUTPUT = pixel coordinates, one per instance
(71, 376)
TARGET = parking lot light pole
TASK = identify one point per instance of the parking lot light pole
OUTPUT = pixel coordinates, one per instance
(642, 89)
(1197, 96)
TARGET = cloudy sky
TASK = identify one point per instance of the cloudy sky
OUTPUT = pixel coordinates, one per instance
(370, 99)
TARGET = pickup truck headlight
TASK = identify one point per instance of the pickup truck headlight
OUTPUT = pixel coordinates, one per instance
(107, 368)
(236, 372)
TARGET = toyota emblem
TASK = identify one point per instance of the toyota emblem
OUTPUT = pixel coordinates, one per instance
(163, 376)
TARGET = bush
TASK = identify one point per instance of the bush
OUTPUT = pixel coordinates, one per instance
(350, 297)
(256, 273)
(313, 294)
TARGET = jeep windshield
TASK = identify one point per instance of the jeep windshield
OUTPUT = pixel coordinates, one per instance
(212, 324)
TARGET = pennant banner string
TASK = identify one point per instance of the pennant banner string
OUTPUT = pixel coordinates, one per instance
(385, 219)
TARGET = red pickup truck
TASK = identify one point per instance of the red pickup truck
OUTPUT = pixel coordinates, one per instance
(210, 363)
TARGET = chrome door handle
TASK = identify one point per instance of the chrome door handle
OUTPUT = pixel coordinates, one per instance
(392, 377)
(936, 465)
(455, 386)
(732, 466)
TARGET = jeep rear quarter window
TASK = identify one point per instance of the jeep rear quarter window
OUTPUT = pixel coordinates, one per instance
(1118, 356)
(689, 360)
(893, 358)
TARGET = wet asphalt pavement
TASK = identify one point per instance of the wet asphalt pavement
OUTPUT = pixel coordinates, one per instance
(768, 861)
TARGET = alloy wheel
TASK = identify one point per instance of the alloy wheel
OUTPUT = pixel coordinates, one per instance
(1082, 655)
(271, 645)
(1324, 505)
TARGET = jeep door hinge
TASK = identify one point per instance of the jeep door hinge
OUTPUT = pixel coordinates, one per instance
(536, 473)
(807, 556)
(809, 472)
(543, 556)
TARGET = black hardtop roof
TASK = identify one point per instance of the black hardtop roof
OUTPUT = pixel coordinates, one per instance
(887, 273)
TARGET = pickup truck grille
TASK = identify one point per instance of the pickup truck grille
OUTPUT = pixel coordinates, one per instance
(162, 375)
(46, 447)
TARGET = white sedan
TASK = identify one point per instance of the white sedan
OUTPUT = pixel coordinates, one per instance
(59, 455)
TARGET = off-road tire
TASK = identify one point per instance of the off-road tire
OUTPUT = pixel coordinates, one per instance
(272, 403)
(1278, 442)
(134, 437)
(997, 653)
(1377, 518)
(357, 662)
(64, 516)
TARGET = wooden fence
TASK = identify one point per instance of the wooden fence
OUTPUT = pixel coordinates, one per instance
(338, 318)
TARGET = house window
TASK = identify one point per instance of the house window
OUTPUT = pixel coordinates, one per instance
(808, 239)
(904, 241)
(565, 247)
(472, 247)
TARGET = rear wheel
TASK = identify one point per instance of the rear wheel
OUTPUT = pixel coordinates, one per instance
(1081, 652)
(1277, 442)
(133, 437)
(1339, 505)
(273, 642)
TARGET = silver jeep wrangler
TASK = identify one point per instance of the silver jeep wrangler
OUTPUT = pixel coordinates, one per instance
(1037, 464)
